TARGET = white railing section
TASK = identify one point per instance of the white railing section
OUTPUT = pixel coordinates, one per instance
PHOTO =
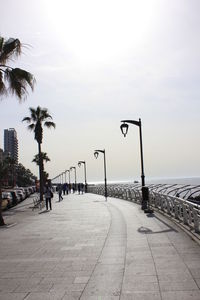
(182, 210)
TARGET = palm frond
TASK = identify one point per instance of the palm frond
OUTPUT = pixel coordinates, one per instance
(44, 156)
(33, 114)
(27, 119)
(1, 43)
(18, 81)
(49, 124)
(31, 126)
(9, 48)
(25, 77)
(3, 90)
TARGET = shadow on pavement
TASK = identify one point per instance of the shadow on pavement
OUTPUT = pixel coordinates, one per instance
(149, 231)
(44, 211)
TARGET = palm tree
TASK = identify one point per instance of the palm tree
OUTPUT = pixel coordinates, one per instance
(13, 80)
(38, 118)
(37, 161)
(44, 158)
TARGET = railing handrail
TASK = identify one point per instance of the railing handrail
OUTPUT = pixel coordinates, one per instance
(178, 208)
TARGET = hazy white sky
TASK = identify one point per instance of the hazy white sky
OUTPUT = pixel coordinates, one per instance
(98, 62)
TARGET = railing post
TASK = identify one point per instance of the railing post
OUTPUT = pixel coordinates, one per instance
(185, 217)
(196, 221)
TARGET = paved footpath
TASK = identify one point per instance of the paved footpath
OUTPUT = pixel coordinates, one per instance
(89, 249)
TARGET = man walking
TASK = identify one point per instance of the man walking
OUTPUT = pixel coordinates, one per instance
(48, 194)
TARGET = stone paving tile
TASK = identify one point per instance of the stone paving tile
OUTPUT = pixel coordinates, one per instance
(33, 288)
(198, 282)
(134, 279)
(181, 295)
(46, 296)
(139, 286)
(76, 287)
(99, 297)
(49, 274)
(55, 280)
(187, 285)
(167, 271)
(12, 296)
(72, 295)
(81, 279)
(143, 269)
(109, 269)
(8, 285)
(193, 263)
(16, 274)
(141, 296)
(177, 277)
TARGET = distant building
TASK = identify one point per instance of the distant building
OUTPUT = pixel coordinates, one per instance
(11, 143)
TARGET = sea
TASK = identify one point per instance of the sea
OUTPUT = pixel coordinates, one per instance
(161, 180)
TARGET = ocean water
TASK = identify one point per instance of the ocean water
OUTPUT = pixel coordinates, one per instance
(176, 180)
(184, 180)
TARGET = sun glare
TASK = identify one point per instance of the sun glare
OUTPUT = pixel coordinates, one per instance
(98, 31)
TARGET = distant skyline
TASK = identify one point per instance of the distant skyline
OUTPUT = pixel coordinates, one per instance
(97, 63)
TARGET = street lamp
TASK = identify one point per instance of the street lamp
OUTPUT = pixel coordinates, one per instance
(69, 174)
(71, 168)
(145, 192)
(79, 164)
(96, 154)
(63, 177)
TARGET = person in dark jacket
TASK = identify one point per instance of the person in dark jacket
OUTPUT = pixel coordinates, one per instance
(48, 194)
(60, 192)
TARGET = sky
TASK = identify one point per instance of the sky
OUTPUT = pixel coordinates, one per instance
(97, 63)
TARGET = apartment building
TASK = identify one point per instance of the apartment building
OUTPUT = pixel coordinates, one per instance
(11, 143)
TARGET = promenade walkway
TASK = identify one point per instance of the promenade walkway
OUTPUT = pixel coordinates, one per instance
(89, 249)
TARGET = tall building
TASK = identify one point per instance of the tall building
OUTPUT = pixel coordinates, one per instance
(11, 143)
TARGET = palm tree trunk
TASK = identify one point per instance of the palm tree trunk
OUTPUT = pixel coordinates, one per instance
(41, 172)
(2, 223)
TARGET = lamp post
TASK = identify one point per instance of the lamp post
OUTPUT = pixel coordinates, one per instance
(79, 164)
(96, 154)
(69, 175)
(71, 168)
(145, 193)
(65, 176)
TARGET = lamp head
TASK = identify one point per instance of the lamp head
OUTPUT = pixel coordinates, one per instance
(96, 154)
(124, 129)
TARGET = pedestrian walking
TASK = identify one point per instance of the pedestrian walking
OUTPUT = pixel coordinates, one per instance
(48, 194)
(73, 187)
(60, 192)
(67, 188)
(79, 188)
(64, 188)
(82, 187)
